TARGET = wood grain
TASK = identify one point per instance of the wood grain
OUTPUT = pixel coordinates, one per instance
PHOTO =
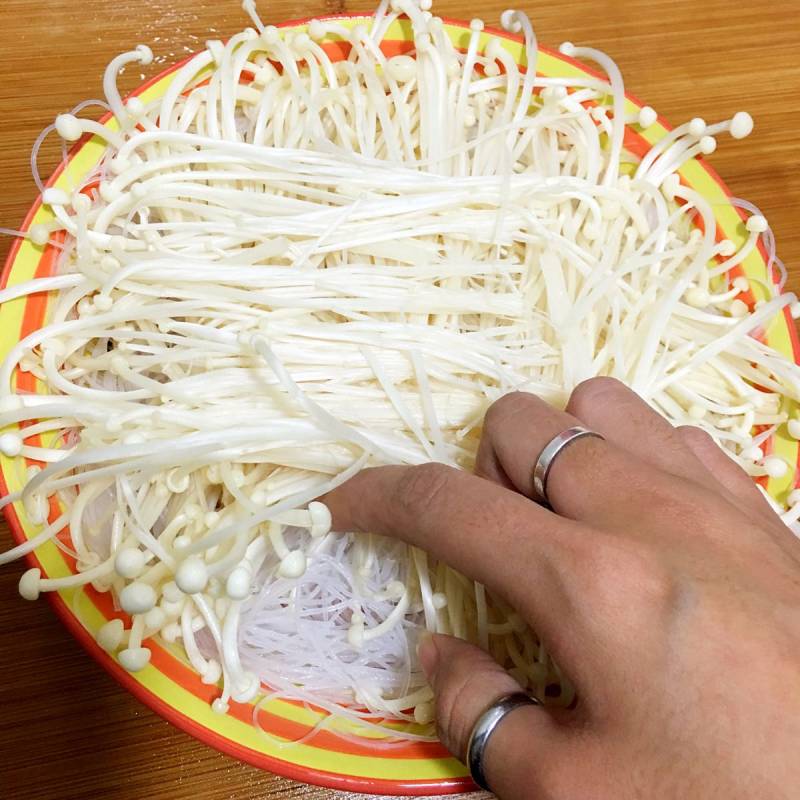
(67, 731)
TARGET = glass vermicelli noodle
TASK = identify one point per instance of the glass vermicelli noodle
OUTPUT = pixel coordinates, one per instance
(289, 268)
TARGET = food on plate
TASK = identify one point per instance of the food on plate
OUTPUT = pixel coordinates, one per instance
(293, 265)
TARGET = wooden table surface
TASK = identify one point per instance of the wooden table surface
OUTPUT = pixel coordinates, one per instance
(67, 731)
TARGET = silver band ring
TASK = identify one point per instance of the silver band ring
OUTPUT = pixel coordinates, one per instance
(548, 455)
(486, 725)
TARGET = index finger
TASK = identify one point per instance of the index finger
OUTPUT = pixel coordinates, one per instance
(488, 533)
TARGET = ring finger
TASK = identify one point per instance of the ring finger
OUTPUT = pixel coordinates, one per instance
(625, 420)
(591, 479)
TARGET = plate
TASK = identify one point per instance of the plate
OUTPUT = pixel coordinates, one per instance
(168, 685)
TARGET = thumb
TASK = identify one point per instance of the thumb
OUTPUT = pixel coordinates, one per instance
(521, 755)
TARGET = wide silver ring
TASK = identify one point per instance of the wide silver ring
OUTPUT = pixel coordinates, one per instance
(548, 455)
(486, 725)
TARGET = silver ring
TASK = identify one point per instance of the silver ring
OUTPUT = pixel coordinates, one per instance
(548, 455)
(486, 725)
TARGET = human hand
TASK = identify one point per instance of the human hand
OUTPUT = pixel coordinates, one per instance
(661, 582)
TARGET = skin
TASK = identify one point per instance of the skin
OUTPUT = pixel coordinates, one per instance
(660, 580)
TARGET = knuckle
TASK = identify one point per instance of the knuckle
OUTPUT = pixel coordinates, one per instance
(594, 392)
(695, 437)
(507, 407)
(652, 582)
(628, 576)
(422, 486)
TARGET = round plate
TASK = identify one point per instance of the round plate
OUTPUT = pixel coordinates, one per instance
(168, 685)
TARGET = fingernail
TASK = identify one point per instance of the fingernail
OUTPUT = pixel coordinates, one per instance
(428, 655)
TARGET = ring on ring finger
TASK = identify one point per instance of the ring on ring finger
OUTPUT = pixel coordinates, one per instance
(550, 452)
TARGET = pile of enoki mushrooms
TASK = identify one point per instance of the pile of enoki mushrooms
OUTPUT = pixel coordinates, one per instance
(290, 267)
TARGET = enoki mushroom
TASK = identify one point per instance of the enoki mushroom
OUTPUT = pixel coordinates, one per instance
(288, 268)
